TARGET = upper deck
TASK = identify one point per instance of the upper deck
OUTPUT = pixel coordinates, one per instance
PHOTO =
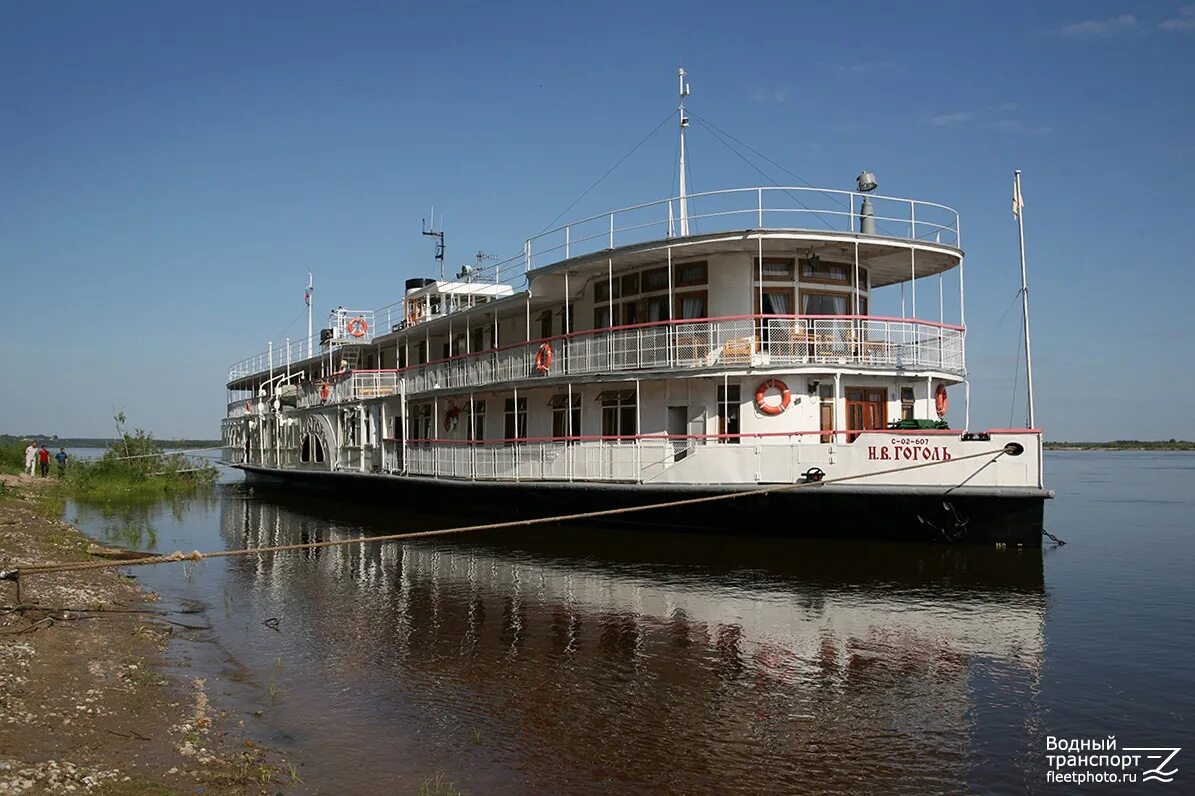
(899, 239)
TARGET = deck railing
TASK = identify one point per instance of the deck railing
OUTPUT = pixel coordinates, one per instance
(592, 460)
(748, 341)
(710, 343)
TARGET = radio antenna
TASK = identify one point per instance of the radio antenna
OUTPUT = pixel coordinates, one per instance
(439, 235)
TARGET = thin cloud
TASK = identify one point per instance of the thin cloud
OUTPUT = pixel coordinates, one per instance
(772, 96)
(864, 67)
(1183, 23)
(1019, 127)
(949, 119)
(1100, 28)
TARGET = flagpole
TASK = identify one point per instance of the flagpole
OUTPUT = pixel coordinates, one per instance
(1018, 211)
(310, 288)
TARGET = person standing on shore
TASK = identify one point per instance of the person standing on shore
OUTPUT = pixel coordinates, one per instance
(31, 456)
(43, 457)
(61, 458)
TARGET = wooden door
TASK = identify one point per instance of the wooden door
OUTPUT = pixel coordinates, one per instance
(866, 409)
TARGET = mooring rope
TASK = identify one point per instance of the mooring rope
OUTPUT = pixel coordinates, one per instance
(196, 556)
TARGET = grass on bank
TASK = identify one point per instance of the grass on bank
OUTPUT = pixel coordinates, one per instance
(133, 469)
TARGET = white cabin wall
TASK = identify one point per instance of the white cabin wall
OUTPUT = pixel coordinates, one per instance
(729, 285)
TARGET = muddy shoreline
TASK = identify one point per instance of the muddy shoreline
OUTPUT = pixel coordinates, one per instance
(91, 698)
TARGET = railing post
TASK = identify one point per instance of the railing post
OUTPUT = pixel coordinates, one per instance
(912, 220)
(612, 246)
(566, 241)
(527, 255)
(759, 191)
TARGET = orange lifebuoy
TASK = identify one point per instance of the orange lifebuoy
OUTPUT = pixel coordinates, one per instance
(324, 390)
(357, 327)
(761, 393)
(941, 400)
(543, 357)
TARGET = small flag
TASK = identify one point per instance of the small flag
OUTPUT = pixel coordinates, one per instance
(1018, 203)
(307, 296)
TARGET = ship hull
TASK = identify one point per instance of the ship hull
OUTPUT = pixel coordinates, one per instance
(1012, 516)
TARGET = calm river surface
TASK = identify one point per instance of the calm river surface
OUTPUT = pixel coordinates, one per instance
(595, 660)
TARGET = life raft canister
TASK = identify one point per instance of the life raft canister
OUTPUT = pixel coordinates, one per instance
(451, 417)
(761, 393)
(357, 327)
(941, 400)
(543, 357)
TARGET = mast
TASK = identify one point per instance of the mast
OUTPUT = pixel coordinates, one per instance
(307, 296)
(1018, 205)
(684, 122)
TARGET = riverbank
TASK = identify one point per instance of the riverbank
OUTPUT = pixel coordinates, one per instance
(90, 701)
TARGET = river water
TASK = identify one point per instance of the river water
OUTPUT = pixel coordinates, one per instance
(596, 660)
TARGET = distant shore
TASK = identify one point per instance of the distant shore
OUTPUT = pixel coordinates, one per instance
(1123, 445)
(106, 442)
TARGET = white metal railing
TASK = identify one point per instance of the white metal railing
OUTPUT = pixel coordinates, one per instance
(764, 207)
(590, 460)
(750, 341)
(768, 207)
(349, 326)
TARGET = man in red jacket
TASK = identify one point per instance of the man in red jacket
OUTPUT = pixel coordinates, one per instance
(43, 459)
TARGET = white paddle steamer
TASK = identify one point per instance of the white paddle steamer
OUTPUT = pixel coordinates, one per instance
(708, 343)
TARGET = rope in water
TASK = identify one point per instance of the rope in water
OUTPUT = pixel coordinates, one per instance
(196, 556)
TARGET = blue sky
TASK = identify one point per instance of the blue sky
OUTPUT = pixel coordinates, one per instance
(171, 173)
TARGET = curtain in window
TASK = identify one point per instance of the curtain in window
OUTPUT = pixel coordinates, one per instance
(821, 304)
(692, 306)
(777, 304)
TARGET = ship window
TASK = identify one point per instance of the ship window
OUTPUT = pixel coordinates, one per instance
(305, 450)
(823, 304)
(630, 285)
(601, 318)
(691, 274)
(421, 352)
(476, 340)
(692, 305)
(777, 302)
(775, 269)
(728, 413)
(545, 323)
(906, 403)
(657, 309)
(863, 279)
(477, 422)
(602, 290)
(818, 271)
(565, 423)
(655, 279)
(516, 419)
(319, 450)
(630, 313)
(861, 302)
(619, 413)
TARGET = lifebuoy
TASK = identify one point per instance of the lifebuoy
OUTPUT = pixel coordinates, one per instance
(357, 327)
(543, 357)
(451, 417)
(941, 400)
(324, 390)
(761, 393)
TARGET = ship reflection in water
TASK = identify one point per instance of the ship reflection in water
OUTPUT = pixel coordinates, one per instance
(594, 660)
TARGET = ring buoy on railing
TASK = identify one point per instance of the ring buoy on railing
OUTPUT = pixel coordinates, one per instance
(451, 417)
(357, 327)
(941, 400)
(543, 357)
(761, 394)
(324, 390)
